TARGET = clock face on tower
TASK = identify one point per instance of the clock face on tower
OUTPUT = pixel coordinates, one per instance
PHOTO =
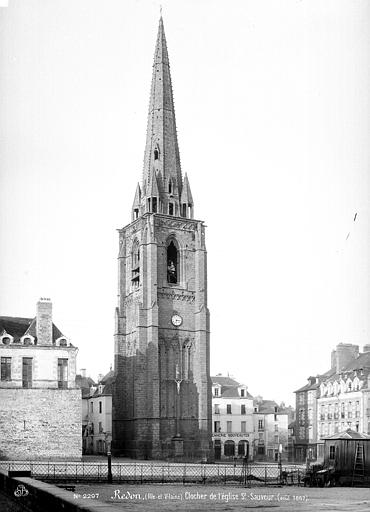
(176, 320)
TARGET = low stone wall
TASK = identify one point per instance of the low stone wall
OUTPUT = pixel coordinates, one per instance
(37, 496)
(40, 423)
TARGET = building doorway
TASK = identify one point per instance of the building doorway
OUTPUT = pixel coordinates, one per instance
(217, 448)
(229, 449)
(243, 448)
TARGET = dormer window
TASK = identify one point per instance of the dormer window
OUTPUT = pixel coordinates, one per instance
(6, 340)
(27, 340)
(215, 392)
(242, 392)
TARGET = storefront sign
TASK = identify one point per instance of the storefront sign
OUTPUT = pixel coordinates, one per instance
(230, 435)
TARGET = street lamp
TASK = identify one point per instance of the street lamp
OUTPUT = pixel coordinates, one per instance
(279, 461)
(108, 442)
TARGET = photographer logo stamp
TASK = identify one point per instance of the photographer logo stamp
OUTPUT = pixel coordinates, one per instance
(21, 491)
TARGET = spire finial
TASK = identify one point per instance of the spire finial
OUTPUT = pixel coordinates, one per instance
(160, 10)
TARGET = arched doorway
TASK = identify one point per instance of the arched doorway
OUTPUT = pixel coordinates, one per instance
(229, 448)
(243, 448)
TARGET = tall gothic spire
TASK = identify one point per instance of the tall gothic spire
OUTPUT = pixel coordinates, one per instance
(162, 169)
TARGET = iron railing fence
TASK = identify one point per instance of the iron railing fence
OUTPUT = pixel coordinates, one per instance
(246, 475)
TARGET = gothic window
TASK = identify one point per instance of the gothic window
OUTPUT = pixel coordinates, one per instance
(156, 154)
(136, 213)
(135, 265)
(170, 209)
(172, 264)
(154, 205)
(184, 210)
(170, 187)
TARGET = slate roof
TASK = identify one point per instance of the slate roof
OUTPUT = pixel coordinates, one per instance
(314, 385)
(233, 392)
(107, 382)
(362, 361)
(229, 387)
(84, 383)
(348, 435)
(15, 326)
(267, 407)
(18, 327)
(308, 387)
(224, 381)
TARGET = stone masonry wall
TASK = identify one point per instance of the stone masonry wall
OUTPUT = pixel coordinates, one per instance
(40, 424)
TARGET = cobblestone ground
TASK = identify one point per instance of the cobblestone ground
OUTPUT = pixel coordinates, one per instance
(147, 498)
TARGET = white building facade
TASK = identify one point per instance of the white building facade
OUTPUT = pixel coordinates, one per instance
(344, 398)
(97, 435)
(232, 419)
(271, 430)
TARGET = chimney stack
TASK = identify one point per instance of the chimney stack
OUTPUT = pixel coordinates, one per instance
(333, 359)
(366, 348)
(345, 353)
(44, 322)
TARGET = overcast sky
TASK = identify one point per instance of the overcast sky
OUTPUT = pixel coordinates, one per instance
(272, 107)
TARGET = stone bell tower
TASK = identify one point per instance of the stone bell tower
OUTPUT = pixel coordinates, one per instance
(162, 391)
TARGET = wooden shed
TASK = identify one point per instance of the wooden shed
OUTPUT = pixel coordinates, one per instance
(348, 453)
